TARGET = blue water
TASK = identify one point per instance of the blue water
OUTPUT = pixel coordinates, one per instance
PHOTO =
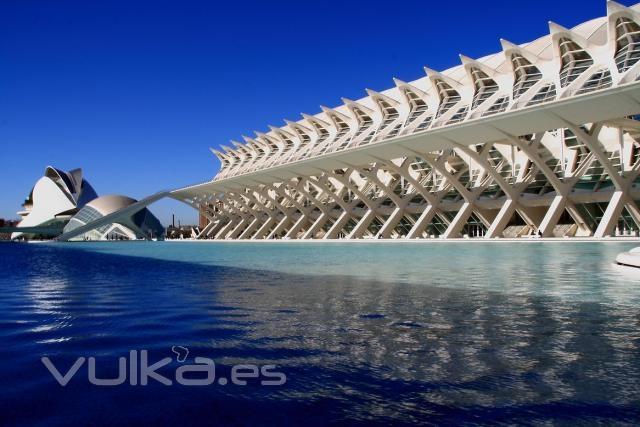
(365, 333)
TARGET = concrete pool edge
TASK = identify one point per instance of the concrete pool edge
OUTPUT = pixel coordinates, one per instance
(635, 240)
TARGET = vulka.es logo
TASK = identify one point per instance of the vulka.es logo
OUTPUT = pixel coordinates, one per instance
(139, 371)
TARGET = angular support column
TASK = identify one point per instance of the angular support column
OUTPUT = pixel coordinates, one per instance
(250, 229)
(533, 216)
(264, 228)
(296, 227)
(238, 228)
(611, 215)
(324, 209)
(224, 230)
(552, 216)
(459, 221)
(579, 220)
(238, 216)
(633, 209)
(423, 221)
(501, 220)
(316, 226)
(280, 227)
(487, 216)
(206, 229)
(217, 227)
(337, 226)
(391, 223)
(362, 225)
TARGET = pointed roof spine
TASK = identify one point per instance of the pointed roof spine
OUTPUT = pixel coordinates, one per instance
(224, 160)
(339, 119)
(353, 104)
(315, 119)
(571, 53)
(509, 49)
(337, 113)
(268, 139)
(289, 140)
(247, 150)
(482, 78)
(615, 7)
(217, 153)
(360, 112)
(404, 85)
(447, 90)
(279, 131)
(623, 37)
(320, 127)
(469, 63)
(435, 77)
(557, 31)
(433, 74)
(302, 132)
(377, 95)
(239, 153)
(422, 96)
(296, 125)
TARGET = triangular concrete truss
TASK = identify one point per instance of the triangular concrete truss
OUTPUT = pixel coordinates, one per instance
(539, 139)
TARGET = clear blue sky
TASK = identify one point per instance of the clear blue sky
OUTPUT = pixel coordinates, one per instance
(136, 92)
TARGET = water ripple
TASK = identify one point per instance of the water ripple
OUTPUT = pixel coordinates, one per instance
(549, 335)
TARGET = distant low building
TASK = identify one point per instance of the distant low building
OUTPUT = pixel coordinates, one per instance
(183, 232)
(205, 210)
(7, 223)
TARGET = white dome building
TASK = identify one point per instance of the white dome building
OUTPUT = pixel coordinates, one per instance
(54, 199)
(139, 225)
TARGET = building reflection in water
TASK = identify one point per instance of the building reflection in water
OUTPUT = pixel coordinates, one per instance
(403, 351)
(451, 346)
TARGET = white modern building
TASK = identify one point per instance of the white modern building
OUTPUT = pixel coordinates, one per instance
(141, 224)
(54, 199)
(541, 138)
(63, 205)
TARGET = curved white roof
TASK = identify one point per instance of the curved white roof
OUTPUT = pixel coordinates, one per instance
(594, 36)
(56, 194)
(110, 203)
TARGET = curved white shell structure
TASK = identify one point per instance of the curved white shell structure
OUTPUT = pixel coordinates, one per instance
(54, 199)
(126, 225)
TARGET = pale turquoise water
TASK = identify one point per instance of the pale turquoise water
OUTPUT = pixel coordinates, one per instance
(582, 271)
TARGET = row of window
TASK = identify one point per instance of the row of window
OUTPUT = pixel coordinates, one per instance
(574, 61)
